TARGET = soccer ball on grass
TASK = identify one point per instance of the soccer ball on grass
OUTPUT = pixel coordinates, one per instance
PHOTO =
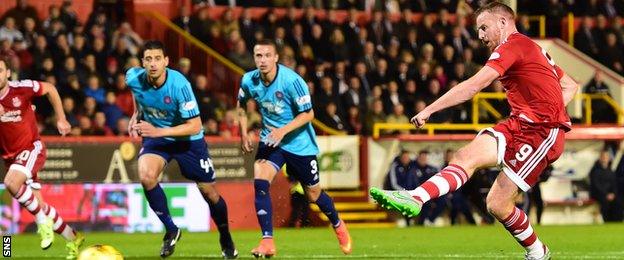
(100, 252)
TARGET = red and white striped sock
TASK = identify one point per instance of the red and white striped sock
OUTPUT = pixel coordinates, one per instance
(60, 227)
(448, 180)
(517, 223)
(27, 199)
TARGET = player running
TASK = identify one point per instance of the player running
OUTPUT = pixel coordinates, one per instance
(522, 146)
(167, 117)
(24, 154)
(287, 137)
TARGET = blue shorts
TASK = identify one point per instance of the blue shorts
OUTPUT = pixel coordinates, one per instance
(192, 156)
(303, 168)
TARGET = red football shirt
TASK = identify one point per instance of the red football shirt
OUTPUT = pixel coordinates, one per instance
(531, 80)
(18, 125)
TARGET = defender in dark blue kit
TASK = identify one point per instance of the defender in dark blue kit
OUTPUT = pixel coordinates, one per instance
(167, 117)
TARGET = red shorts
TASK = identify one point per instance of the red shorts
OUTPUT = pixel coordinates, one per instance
(29, 161)
(525, 149)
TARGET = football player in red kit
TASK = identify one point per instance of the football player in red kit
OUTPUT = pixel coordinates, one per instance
(24, 154)
(522, 146)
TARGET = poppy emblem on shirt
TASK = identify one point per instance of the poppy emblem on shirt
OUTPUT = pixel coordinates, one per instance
(279, 94)
(16, 102)
(167, 100)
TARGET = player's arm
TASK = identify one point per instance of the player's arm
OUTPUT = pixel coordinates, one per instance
(55, 100)
(133, 120)
(246, 141)
(191, 126)
(458, 94)
(568, 88)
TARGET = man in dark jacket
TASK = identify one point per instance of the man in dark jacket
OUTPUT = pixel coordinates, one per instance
(604, 189)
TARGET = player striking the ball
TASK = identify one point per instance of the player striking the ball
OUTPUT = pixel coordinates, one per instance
(522, 146)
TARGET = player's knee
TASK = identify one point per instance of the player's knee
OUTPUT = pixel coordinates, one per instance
(313, 194)
(496, 206)
(13, 180)
(148, 179)
(463, 158)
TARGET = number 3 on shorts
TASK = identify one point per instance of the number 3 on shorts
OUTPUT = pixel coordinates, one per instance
(524, 152)
(314, 166)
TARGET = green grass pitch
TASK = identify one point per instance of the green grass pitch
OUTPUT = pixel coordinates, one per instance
(463, 242)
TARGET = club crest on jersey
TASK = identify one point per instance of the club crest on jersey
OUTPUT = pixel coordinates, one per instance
(16, 102)
(279, 95)
(167, 100)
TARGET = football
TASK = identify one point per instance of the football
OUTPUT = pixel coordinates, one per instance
(100, 252)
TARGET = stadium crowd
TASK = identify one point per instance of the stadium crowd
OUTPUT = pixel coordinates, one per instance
(360, 72)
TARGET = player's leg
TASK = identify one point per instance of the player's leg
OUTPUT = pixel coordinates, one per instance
(268, 162)
(219, 214)
(150, 167)
(305, 169)
(500, 203)
(21, 172)
(15, 183)
(482, 151)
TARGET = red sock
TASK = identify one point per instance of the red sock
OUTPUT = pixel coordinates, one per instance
(517, 223)
(448, 180)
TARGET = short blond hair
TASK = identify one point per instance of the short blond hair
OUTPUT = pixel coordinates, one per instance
(496, 7)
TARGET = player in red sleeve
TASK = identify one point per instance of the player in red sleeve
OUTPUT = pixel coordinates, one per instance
(24, 154)
(522, 146)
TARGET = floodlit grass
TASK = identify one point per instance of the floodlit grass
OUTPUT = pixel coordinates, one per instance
(464, 242)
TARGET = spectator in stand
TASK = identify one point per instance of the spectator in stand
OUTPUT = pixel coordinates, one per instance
(602, 111)
(85, 126)
(229, 125)
(241, 56)
(54, 14)
(391, 97)
(73, 90)
(398, 117)
(183, 20)
(585, 40)
(555, 11)
(354, 96)
(184, 67)
(68, 15)
(129, 38)
(20, 12)
(99, 125)
(355, 121)
(211, 127)
(374, 115)
(604, 189)
(121, 128)
(112, 112)
(89, 108)
(9, 31)
(94, 89)
(69, 107)
(204, 97)
(611, 54)
(123, 96)
(330, 118)
(30, 31)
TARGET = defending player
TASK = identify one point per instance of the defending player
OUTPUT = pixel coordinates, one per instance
(522, 146)
(167, 117)
(24, 154)
(287, 137)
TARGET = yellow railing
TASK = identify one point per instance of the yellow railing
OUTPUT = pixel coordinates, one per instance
(588, 110)
(327, 129)
(541, 19)
(430, 128)
(480, 101)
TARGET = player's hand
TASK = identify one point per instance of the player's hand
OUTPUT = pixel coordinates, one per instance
(246, 144)
(275, 136)
(146, 129)
(420, 119)
(131, 131)
(63, 126)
